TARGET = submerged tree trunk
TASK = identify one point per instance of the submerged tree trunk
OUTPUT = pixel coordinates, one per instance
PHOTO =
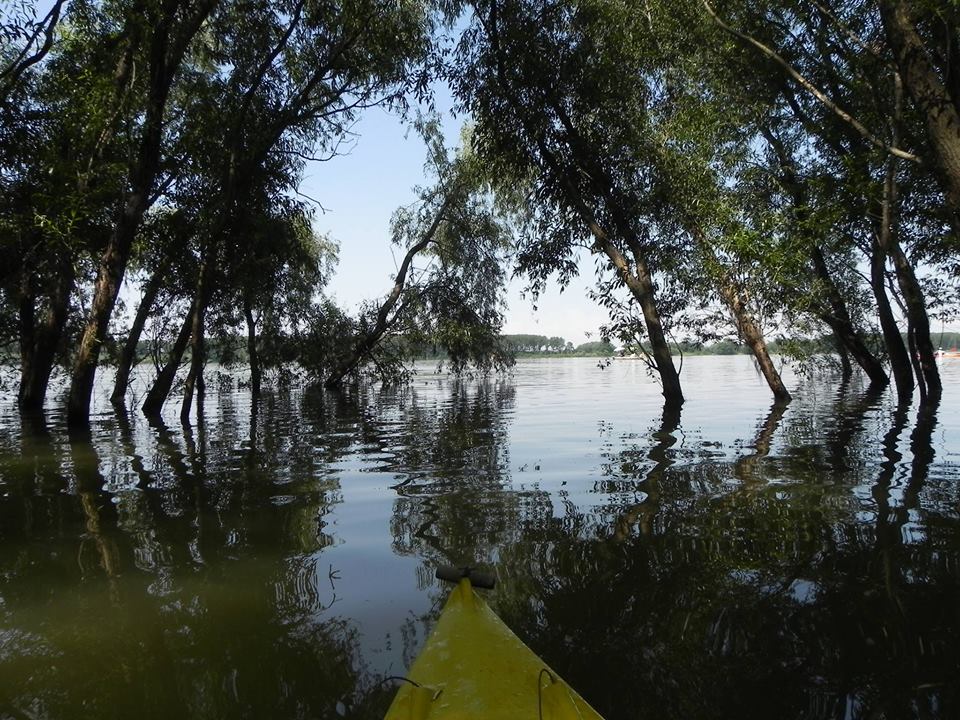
(752, 335)
(917, 312)
(166, 47)
(252, 352)
(913, 299)
(39, 343)
(586, 164)
(896, 350)
(129, 352)
(669, 377)
(851, 341)
(885, 235)
(837, 317)
(640, 284)
(157, 395)
(746, 323)
(835, 314)
(113, 264)
(197, 322)
(197, 358)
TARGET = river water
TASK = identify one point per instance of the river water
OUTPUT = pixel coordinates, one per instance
(276, 560)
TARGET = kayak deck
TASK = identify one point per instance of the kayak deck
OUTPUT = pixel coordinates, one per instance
(473, 666)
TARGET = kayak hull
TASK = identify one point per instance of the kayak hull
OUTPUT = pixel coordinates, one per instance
(473, 666)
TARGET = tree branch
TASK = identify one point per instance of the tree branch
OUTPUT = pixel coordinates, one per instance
(20, 64)
(813, 89)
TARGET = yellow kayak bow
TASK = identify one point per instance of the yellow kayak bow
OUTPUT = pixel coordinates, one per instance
(473, 666)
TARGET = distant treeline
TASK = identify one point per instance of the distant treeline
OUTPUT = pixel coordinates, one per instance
(537, 345)
(232, 349)
(541, 345)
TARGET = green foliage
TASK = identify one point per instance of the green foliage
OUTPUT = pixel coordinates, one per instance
(601, 348)
(448, 292)
(688, 146)
(524, 343)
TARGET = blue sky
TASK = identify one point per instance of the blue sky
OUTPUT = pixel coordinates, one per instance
(359, 191)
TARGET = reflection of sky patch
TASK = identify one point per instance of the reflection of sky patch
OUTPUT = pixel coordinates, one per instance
(912, 534)
(804, 591)
(745, 577)
(18, 643)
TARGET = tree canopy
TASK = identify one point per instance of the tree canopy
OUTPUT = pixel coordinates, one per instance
(734, 170)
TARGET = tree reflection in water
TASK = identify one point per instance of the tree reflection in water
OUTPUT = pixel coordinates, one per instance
(745, 597)
(809, 569)
(714, 589)
(142, 577)
(454, 502)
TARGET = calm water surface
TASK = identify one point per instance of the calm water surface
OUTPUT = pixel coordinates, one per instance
(276, 560)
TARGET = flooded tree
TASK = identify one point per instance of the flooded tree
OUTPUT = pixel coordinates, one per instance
(454, 300)
(557, 112)
(160, 35)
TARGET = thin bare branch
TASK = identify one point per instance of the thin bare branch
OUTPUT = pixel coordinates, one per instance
(316, 202)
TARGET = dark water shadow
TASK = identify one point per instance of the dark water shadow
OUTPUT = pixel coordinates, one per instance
(138, 588)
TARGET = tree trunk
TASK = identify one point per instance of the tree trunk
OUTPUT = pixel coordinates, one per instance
(166, 50)
(836, 315)
(669, 377)
(929, 94)
(750, 332)
(899, 29)
(123, 75)
(197, 352)
(110, 272)
(129, 353)
(29, 396)
(588, 164)
(252, 353)
(885, 235)
(197, 321)
(39, 344)
(838, 319)
(160, 389)
(915, 361)
(850, 339)
(640, 285)
(917, 315)
(746, 324)
(639, 281)
(36, 368)
(896, 350)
